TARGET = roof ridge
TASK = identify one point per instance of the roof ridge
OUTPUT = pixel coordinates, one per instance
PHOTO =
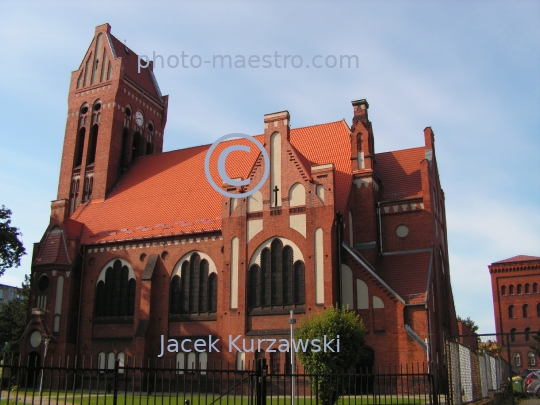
(400, 150)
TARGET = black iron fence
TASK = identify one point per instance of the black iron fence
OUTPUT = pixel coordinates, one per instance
(140, 382)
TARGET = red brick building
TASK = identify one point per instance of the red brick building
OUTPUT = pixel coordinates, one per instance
(140, 245)
(516, 301)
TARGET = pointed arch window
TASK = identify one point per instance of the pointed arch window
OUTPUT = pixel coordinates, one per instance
(279, 281)
(115, 291)
(194, 291)
(92, 145)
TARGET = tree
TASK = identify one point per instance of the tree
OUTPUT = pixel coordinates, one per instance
(13, 319)
(469, 323)
(489, 347)
(11, 248)
(327, 365)
(536, 347)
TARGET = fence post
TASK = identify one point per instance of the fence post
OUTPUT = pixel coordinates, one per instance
(115, 394)
(260, 387)
(509, 368)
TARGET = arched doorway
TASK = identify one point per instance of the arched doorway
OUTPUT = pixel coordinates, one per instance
(363, 383)
(33, 367)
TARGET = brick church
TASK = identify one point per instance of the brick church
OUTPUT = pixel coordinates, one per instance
(140, 245)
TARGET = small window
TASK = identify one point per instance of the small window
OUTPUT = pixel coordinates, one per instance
(525, 310)
(527, 288)
(531, 359)
(517, 360)
(511, 290)
(511, 311)
(110, 361)
(101, 361)
(240, 361)
(121, 359)
(535, 288)
(503, 290)
(538, 310)
(527, 333)
(275, 364)
(513, 335)
(43, 283)
(519, 288)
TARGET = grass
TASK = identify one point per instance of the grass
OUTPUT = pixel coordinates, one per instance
(86, 399)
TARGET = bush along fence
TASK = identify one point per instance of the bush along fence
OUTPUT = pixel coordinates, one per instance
(478, 368)
(83, 381)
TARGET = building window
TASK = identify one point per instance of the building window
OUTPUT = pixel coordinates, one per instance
(519, 288)
(527, 333)
(531, 360)
(511, 311)
(535, 288)
(240, 361)
(503, 290)
(538, 310)
(511, 290)
(275, 365)
(279, 281)
(43, 285)
(525, 310)
(513, 335)
(115, 290)
(527, 288)
(101, 360)
(517, 360)
(194, 291)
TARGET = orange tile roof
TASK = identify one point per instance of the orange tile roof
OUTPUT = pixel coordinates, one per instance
(167, 194)
(400, 173)
(519, 258)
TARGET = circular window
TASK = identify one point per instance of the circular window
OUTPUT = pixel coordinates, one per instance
(43, 283)
(402, 231)
(143, 256)
(97, 107)
(164, 255)
(35, 338)
(91, 262)
(84, 110)
(150, 127)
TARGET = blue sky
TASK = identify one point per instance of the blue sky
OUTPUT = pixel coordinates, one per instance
(468, 69)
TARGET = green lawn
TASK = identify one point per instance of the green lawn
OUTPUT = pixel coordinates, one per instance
(61, 399)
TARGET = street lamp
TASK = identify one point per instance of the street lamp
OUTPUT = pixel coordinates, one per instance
(292, 321)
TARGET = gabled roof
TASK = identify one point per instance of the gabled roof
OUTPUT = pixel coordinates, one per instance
(400, 172)
(130, 60)
(168, 194)
(519, 258)
(53, 249)
(407, 273)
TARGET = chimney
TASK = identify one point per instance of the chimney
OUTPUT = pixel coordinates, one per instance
(360, 110)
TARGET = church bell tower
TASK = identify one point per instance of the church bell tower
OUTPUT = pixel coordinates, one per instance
(116, 114)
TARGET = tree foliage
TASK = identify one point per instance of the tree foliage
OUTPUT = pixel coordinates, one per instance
(11, 248)
(13, 319)
(328, 365)
(469, 323)
(536, 347)
(491, 348)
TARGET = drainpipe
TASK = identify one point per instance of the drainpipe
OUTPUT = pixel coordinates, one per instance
(380, 227)
(339, 228)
